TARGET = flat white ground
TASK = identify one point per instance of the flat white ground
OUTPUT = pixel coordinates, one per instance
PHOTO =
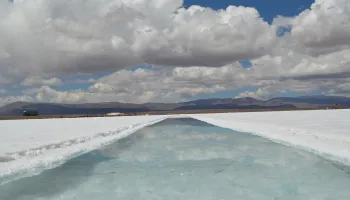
(326, 132)
(19, 135)
(33, 144)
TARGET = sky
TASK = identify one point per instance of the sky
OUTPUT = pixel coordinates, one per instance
(138, 51)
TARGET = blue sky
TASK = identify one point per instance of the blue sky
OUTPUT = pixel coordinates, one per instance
(268, 9)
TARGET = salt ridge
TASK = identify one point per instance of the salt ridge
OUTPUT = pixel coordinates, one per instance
(29, 162)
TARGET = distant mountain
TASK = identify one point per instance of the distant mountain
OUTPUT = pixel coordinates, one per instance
(312, 101)
(16, 109)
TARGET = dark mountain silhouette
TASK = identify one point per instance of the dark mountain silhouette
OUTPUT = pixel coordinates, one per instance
(303, 102)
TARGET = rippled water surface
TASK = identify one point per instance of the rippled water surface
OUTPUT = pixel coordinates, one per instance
(188, 159)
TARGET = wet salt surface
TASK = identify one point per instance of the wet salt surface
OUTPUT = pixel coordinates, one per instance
(188, 159)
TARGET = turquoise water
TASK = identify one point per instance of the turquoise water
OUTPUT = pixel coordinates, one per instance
(188, 159)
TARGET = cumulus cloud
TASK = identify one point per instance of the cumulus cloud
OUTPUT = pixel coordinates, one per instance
(261, 93)
(59, 37)
(323, 28)
(326, 23)
(204, 37)
(149, 85)
(144, 85)
(37, 81)
(46, 94)
(338, 87)
(11, 99)
(2, 91)
(271, 89)
(192, 50)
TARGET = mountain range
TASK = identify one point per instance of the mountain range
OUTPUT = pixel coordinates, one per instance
(302, 102)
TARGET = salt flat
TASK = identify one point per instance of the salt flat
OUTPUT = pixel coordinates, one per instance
(35, 145)
(325, 132)
(19, 135)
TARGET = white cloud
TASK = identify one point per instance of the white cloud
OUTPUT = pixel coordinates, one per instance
(143, 85)
(204, 37)
(3, 91)
(11, 99)
(261, 93)
(59, 37)
(47, 94)
(37, 81)
(194, 50)
(175, 84)
(323, 28)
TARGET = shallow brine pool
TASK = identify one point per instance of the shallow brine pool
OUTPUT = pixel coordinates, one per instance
(188, 159)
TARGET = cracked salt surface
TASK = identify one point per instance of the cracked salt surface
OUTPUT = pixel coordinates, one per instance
(188, 159)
